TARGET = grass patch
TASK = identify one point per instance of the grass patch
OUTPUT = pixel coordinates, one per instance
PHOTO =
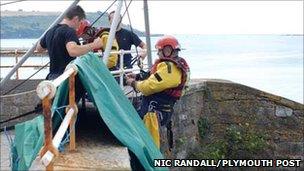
(203, 127)
(239, 142)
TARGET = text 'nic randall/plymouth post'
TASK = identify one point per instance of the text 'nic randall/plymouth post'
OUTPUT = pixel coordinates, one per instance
(227, 163)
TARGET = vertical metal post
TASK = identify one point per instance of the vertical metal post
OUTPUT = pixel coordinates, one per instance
(48, 139)
(112, 32)
(48, 135)
(32, 49)
(72, 104)
(16, 60)
(147, 27)
(121, 59)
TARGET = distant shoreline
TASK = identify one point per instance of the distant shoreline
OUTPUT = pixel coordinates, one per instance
(31, 24)
(152, 35)
(7, 13)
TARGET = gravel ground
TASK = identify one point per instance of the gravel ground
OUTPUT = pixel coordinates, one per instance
(96, 148)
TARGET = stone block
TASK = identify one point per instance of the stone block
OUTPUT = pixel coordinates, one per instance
(282, 111)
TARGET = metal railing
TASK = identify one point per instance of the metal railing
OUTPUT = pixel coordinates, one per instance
(16, 53)
(46, 91)
(120, 72)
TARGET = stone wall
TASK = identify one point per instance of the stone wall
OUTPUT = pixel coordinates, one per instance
(15, 105)
(24, 87)
(21, 100)
(221, 119)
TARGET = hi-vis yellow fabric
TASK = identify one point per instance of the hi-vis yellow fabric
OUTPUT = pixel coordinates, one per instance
(112, 60)
(113, 106)
(168, 79)
(151, 122)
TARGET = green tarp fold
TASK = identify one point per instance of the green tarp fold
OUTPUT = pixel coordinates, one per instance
(114, 108)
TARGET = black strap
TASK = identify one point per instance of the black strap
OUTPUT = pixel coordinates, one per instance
(22, 115)
(157, 76)
(103, 13)
(168, 67)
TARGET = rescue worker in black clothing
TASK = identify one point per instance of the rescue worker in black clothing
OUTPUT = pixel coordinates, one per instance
(63, 46)
(125, 40)
(161, 87)
(62, 43)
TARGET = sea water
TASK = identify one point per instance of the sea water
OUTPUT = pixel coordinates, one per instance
(271, 63)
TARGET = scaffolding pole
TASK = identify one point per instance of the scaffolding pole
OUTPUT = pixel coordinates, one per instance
(30, 51)
(147, 27)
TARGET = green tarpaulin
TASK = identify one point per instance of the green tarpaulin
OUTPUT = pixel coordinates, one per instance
(113, 106)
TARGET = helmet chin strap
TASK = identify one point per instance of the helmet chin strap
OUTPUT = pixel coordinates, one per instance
(168, 55)
(163, 52)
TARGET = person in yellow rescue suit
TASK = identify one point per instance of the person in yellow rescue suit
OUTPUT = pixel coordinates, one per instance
(161, 87)
(88, 33)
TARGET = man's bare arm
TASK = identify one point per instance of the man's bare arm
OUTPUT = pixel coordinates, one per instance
(39, 48)
(143, 46)
(75, 50)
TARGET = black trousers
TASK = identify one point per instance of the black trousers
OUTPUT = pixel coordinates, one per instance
(134, 162)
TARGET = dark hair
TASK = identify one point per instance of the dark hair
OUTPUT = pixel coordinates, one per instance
(75, 11)
(112, 12)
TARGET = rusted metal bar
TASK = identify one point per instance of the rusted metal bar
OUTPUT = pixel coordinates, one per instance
(46, 91)
(47, 158)
(47, 121)
(16, 60)
(23, 66)
(72, 104)
(20, 52)
(48, 135)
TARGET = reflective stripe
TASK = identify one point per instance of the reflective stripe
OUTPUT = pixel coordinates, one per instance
(159, 79)
(168, 67)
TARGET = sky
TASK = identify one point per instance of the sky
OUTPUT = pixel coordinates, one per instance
(196, 17)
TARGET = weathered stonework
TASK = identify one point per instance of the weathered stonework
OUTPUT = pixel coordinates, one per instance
(24, 87)
(225, 104)
(15, 105)
(21, 100)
